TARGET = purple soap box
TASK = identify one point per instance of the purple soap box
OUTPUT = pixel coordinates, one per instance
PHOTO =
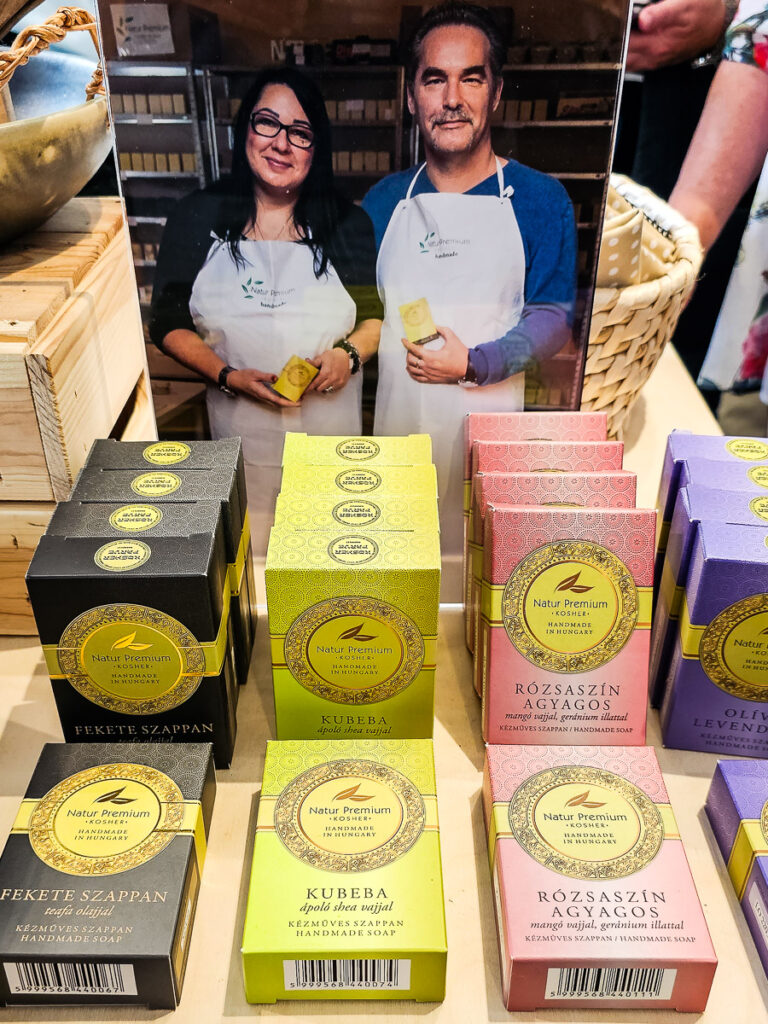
(737, 807)
(717, 691)
(681, 446)
(694, 503)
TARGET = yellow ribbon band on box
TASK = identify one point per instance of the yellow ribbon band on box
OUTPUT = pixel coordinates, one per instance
(690, 635)
(265, 819)
(214, 651)
(467, 496)
(191, 824)
(670, 592)
(493, 594)
(663, 537)
(237, 568)
(499, 826)
(277, 651)
(749, 844)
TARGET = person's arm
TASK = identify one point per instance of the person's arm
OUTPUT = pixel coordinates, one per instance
(727, 150)
(354, 259)
(549, 232)
(674, 31)
(189, 349)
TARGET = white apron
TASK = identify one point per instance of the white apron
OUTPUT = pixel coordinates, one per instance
(257, 317)
(464, 254)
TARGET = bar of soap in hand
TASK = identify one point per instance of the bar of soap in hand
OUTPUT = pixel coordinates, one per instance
(295, 377)
(417, 322)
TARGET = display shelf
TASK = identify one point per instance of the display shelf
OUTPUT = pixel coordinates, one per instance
(555, 68)
(559, 123)
(149, 119)
(213, 989)
(172, 175)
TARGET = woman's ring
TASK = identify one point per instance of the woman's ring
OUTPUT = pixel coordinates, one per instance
(329, 390)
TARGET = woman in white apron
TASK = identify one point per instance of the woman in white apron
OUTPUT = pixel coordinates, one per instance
(269, 264)
(472, 274)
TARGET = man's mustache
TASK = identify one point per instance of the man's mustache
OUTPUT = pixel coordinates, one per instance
(450, 118)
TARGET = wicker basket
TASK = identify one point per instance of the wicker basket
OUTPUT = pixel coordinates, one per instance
(638, 300)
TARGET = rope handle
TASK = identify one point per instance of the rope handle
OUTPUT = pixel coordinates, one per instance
(37, 38)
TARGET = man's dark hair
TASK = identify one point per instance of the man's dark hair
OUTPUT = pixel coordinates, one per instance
(456, 12)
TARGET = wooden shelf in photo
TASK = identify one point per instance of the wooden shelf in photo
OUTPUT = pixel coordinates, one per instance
(562, 67)
(578, 175)
(145, 263)
(172, 175)
(150, 119)
(560, 123)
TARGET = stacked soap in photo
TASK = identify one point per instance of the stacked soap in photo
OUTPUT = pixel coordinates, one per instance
(709, 653)
(141, 589)
(559, 580)
(353, 585)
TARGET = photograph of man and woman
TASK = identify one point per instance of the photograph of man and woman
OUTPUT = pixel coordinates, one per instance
(271, 261)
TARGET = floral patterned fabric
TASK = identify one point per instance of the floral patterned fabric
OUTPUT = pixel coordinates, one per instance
(738, 353)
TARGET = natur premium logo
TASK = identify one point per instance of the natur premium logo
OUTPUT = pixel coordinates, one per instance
(355, 634)
(441, 248)
(128, 643)
(353, 795)
(581, 800)
(571, 583)
(271, 298)
(114, 797)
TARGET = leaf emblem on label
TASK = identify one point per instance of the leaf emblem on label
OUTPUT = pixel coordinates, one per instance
(580, 800)
(352, 794)
(355, 634)
(127, 643)
(572, 583)
(114, 797)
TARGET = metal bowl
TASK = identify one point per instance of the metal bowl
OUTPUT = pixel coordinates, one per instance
(50, 153)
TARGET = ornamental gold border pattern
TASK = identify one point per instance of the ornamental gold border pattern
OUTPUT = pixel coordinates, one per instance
(302, 628)
(289, 829)
(713, 641)
(521, 820)
(48, 848)
(589, 553)
(77, 632)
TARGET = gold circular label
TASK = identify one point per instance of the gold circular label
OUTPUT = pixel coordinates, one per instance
(131, 659)
(586, 822)
(135, 518)
(570, 606)
(155, 485)
(349, 815)
(358, 449)
(353, 549)
(748, 448)
(298, 374)
(122, 555)
(354, 650)
(764, 821)
(358, 481)
(734, 649)
(106, 819)
(758, 475)
(759, 507)
(356, 513)
(166, 453)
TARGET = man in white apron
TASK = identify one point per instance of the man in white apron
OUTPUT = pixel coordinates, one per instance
(488, 242)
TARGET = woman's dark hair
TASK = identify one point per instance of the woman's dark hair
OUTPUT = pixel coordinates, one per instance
(457, 12)
(319, 207)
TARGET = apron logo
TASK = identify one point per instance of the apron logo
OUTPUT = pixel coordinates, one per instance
(439, 247)
(249, 288)
(424, 246)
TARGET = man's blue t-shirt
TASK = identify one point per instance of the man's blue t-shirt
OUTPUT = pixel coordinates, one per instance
(544, 215)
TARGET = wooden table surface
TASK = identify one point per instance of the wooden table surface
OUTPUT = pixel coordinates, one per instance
(213, 989)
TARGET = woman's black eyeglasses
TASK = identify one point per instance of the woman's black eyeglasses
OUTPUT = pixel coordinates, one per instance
(270, 128)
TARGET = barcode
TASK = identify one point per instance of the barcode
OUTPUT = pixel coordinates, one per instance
(610, 983)
(359, 974)
(66, 979)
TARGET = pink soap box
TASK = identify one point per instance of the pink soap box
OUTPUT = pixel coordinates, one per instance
(595, 903)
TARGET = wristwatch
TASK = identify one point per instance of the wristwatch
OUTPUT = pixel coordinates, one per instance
(469, 380)
(712, 56)
(222, 381)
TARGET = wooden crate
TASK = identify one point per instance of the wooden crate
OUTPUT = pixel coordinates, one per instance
(71, 347)
(72, 368)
